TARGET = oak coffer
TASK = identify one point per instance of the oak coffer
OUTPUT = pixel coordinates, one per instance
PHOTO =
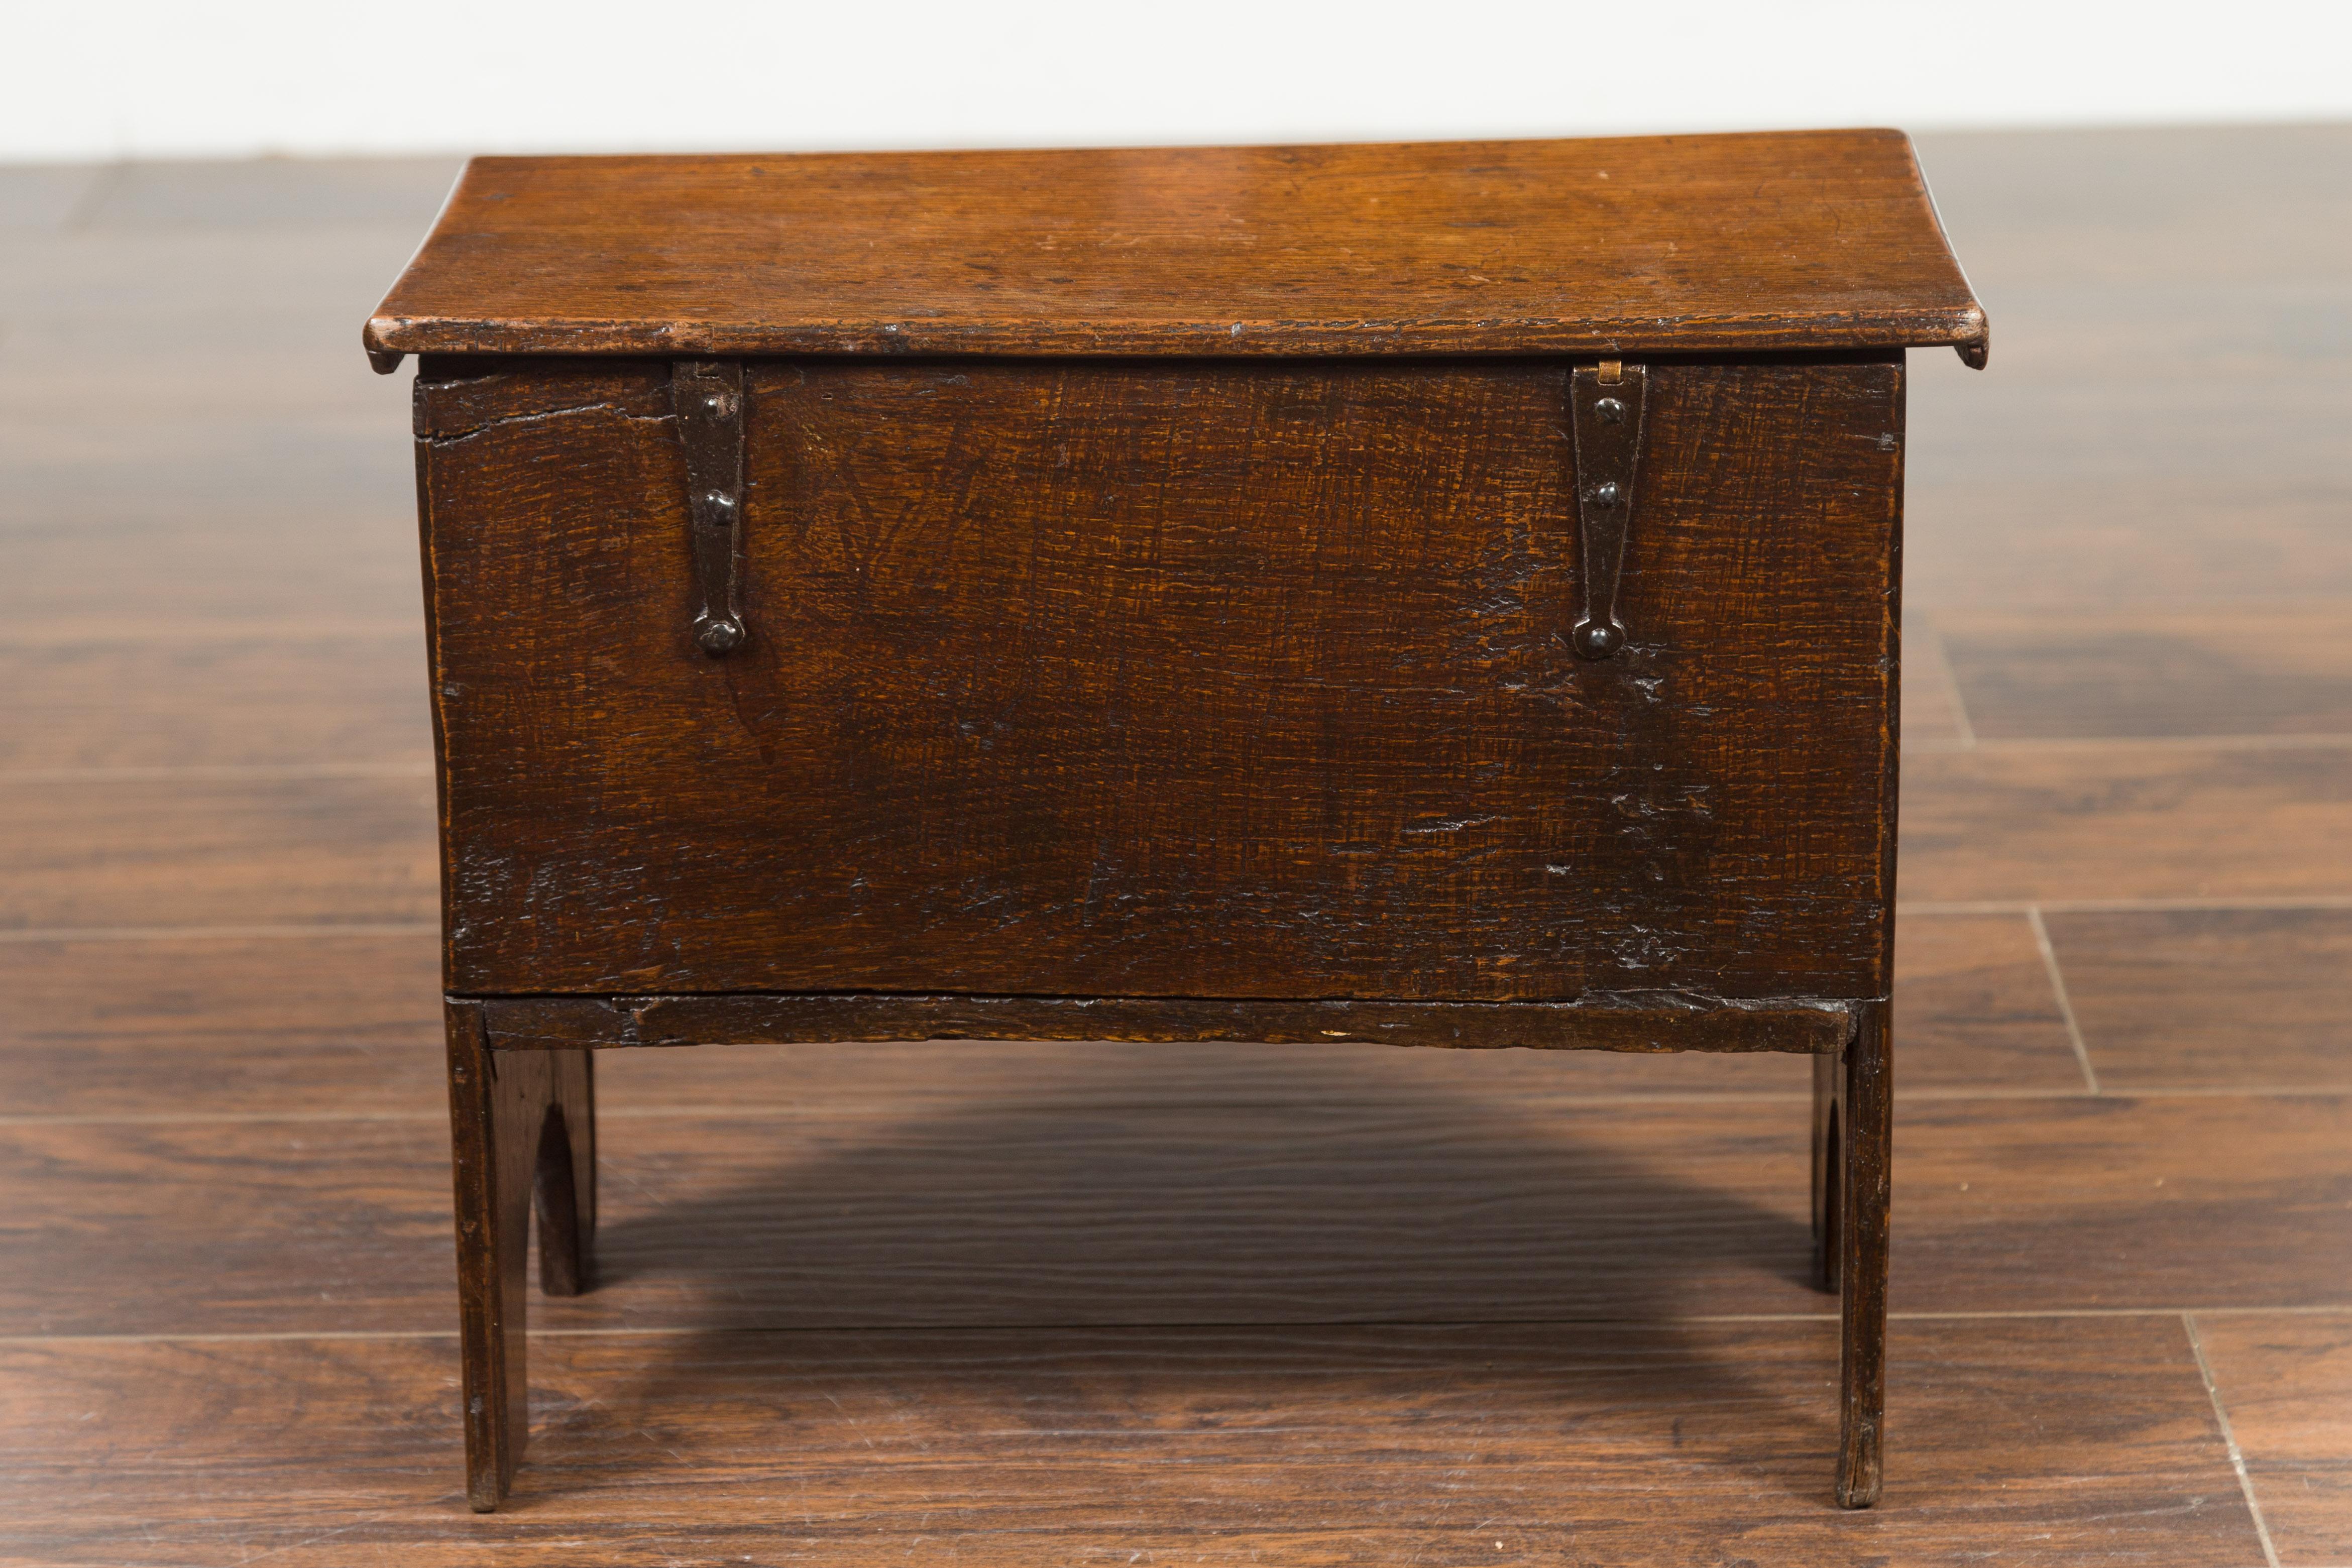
(1423, 595)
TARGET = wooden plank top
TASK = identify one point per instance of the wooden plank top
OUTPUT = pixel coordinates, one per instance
(1770, 242)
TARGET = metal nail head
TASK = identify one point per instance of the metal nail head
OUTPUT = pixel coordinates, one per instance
(1597, 639)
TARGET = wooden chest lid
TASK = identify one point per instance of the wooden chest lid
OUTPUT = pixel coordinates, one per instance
(1772, 242)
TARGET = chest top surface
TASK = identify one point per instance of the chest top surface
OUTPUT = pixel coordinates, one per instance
(1777, 242)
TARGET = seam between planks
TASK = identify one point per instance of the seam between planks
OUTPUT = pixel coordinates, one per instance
(1940, 658)
(415, 767)
(2065, 1002)
(2229, 1439)
(1920, 910)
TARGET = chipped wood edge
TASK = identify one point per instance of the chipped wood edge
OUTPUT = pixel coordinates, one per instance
(1630, 1022)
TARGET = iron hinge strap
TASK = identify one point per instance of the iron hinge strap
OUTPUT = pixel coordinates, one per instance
(1605, 413)
(706, 396)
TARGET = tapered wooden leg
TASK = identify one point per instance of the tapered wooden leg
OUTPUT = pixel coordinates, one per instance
(522, 1122)
(1827, 1171)
(1865, 1126)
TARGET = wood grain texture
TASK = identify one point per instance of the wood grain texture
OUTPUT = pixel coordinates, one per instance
(1235, 681)
(2125, 822)
(149, 852)
(1086, 1078)
(1860, 1227)
(2053, 1444)
(2286, 1383)
(222, 1027)
(1178, 700)
(2286, 670)
(2089, 372)
(1416, 1206)
(523, 1137)
(2210, 998)
(271, 463)
(228, 702)
(1977, 1008)
(2084, 1202)
(304, 573)
(1666, 1024)
(1694, 244)
(2053, 1441)
(320, 1024)
(2099, 474)
(1932, 711)
(2064, 541)
(1409, 1204)
(1975, 995)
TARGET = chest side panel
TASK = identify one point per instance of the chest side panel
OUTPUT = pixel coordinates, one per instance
(1165, 679)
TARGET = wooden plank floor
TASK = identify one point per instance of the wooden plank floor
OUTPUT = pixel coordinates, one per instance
(1029, 1303)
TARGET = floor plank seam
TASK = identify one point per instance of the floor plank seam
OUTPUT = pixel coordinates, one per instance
(1950, 680)
(2228, 1439)
(2065, 1003)
(1922, 910)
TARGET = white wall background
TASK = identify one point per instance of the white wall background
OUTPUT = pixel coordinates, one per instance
(107, 79)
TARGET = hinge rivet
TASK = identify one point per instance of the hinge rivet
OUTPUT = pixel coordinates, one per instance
(706, 396)
(1597, 639)
(1607, 431)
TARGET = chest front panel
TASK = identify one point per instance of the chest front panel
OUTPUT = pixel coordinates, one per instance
(1233, 679)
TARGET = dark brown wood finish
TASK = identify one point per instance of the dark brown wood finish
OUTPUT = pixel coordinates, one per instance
(2113, 823)
(280, 848)
(2286, 671)
(1248, 681)
(316, 1024)
(2055, 1444)
(1666, 1022)
(1796, 240)
(1864, 1126)
(1851, 1139)
(2211, 998)
(1068, 1188)
(524, 1137)
(1100, 613)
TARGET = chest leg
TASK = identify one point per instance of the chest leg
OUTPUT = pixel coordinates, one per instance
(523, 1136)
(1857, 1195)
